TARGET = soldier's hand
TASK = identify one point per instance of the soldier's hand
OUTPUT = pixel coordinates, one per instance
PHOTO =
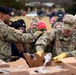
(39, 53)
(37, 34)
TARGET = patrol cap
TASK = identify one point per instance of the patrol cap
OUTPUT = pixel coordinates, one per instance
(5, 10)
(69, 21)
(16, 25)
(22, 22)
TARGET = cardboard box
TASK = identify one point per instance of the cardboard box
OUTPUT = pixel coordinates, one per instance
(71, 68)
(70, 64)
(35, 62)
(50, 71)
(69, 60)
(33, 71)
(3, 64)
(53, 63)
(13, 71)
(21, 63)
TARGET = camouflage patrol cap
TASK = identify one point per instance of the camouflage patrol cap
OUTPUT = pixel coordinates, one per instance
(69, 21)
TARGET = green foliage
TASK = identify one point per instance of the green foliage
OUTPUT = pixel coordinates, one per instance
(13, 3)
(71, 9)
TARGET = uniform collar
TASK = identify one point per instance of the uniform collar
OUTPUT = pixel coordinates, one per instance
(1, 21)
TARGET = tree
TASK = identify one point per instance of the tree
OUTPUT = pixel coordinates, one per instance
(71, 9)
(17, 4)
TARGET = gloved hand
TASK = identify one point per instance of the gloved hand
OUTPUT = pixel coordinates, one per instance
(59, 57)
(39, 53)
(37, 34)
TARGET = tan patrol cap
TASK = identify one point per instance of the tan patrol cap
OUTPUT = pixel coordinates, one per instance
(69, 21)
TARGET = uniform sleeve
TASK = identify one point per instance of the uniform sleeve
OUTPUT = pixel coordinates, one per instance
(44, 40)
(71, 53)
(12, 35)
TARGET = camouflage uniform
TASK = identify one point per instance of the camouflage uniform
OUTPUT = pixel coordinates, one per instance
(33, 28)
(60, 42)
(31, 46)
(43, 29)
(7, 35)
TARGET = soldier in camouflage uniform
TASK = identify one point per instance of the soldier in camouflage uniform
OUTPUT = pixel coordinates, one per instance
(8, 34)
(33, 28)
(40, 26)
(64, 40)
